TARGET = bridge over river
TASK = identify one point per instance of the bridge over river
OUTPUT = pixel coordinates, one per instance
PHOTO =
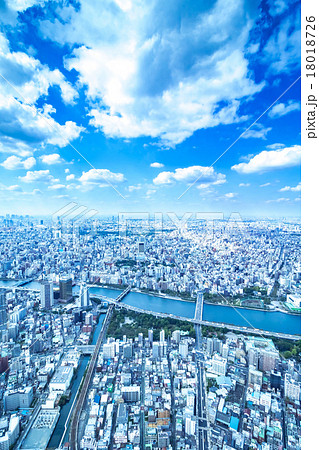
(197, 318)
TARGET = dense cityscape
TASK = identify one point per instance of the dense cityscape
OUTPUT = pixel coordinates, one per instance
(81, 370)
(153, 286)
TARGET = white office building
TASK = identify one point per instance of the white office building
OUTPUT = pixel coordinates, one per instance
(84, 296)
(219, 364)
(61, 379)
(183, 349)
(292, 388)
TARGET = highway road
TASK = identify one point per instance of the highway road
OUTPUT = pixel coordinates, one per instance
(201, 407)
(202, 420)
(81, 397)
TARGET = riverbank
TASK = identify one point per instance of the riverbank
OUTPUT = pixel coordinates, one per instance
(282, 310)
(192, 301)
(166, 296)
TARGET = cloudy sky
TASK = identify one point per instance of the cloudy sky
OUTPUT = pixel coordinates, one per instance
(137, 105)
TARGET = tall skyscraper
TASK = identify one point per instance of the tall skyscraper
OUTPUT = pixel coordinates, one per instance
(141, 245)
(84, 296)
(65, 285)
(46, 295)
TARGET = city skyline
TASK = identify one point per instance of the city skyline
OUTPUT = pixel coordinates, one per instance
(152, 274)
(146, 97)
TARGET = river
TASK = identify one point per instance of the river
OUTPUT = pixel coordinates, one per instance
(275, 321)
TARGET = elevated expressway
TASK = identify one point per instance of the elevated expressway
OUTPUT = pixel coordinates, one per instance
(74, 427)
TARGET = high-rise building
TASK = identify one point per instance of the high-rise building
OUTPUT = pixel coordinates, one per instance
(210, 346)
(267, 360)
(162, 336)
(141, 247)
(88, 319)
(255, 376)
(183, 349)
(292, 388)
(65, 285)
(190, 426)
(4, 363)
(163, 439)
(219, 364)
(156, 351)
(253, 354)
(131, 393)
(162, 348)
(19, 398)
(109, 350)
(3, 312)
(217, 345)
(225, 350)
(84, 296)
(128, 351)
(46, 295)
(176, 336)
(150, 336)
(291, 367)
(275, 380)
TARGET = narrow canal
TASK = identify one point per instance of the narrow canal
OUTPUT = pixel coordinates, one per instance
(64, 412)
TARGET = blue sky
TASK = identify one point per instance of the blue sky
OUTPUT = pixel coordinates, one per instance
(124, 105)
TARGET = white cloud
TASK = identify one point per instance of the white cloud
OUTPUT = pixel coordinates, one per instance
(281, 109)
(55, 187)
(15, 188)
(34, 192)
(156, 165)
(103, 177)
(70, 177)
(275, 146)
(145, 74)
(269, 160)
(14, 162)
(54, 158)
(28, 81)
(134, 188)
(244, 184)
(38, 176)
(150, 192)
(15, 147)
(282, 51)
(265, 185)
(206, 175)
(291, 188)
(230, 195)
(29, 77)
(19, 123)
(258, 131)
(22, 5)
(204, 186)
(278, 200)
